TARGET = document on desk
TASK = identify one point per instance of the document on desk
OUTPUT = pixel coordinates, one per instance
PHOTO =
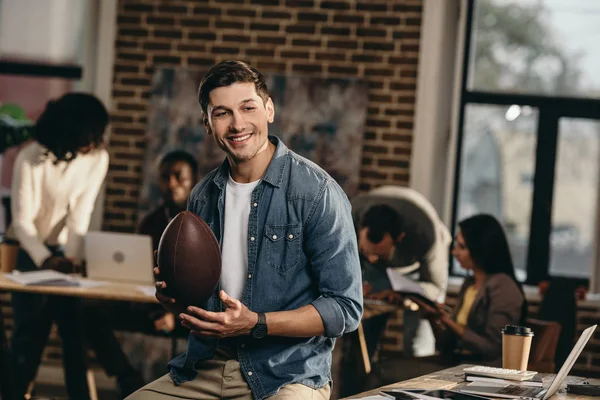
(149, 291)
(88, 283)
(45, 277)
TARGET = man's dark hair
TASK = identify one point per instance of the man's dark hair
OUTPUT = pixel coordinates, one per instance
(180, 155)
(227, 73)
(69, 123)
(382, 219)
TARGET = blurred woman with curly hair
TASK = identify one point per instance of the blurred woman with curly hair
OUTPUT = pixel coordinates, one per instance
(56, 180)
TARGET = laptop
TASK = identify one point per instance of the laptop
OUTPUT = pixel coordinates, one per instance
(523, 392)
(121, 257)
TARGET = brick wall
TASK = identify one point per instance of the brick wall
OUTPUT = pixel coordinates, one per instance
(375, 40)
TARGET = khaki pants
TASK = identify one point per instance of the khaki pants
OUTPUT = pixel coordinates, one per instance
(220, 378)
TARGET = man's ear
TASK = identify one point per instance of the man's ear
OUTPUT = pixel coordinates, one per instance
(270, 110)
(206, 125)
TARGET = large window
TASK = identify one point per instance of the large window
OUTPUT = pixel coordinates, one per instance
(529, 130)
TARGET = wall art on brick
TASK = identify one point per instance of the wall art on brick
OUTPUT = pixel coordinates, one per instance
(321, 119)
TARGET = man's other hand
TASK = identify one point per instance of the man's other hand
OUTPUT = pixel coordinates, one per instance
(236, 320)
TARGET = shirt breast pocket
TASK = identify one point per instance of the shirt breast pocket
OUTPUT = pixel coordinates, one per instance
(283, 246)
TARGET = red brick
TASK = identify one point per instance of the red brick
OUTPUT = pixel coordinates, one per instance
(351, 71)
(195, 22)
(166, 60)
(234, 12)
(334, 30)
(300, 3)
(237, 38)
(378, 20)
(311, 16)
(138, 32)
(392, 163)
(206, 10)
(202, 36)
(306, 42)
(379, 46)
(367, 58)
(372, 6)
(303, 55)
(349, 18)
(279, 15)
(260, 52)
(271, 39)
(200, 61)
(342, 44)
(335, 5)
(137, 7)
(264, 27)
(225, 50)
(171, 34)
(371, 32)
(267, 2)
(310, 29)
(160, 21)
(330, 56)
(167, 8)
(312, 68)
(156, 46)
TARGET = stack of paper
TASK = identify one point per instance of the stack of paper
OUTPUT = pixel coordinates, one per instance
(42, 277)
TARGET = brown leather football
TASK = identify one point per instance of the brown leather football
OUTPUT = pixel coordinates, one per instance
(189, 259)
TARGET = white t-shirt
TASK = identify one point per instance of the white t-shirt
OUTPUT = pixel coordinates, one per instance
(234, 248)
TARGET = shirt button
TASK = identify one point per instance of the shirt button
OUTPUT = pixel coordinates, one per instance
(252, 238)
(255, 204)
(250, 373)
(291, 236)
(249, 276)
(274, 237)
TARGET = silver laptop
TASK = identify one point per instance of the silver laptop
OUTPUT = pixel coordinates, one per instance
(122, 257)
(524, 392)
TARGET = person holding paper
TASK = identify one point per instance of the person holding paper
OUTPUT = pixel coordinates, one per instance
(56, 179)
(401, 237)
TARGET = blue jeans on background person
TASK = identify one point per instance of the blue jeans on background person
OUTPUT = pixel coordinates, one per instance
(33, 316)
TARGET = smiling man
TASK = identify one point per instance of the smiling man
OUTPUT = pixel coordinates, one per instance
(290, 281)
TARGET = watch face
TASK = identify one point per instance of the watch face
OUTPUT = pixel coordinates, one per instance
(260, 331)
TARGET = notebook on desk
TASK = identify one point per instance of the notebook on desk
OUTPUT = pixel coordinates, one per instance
(531, 393)
(120, 257)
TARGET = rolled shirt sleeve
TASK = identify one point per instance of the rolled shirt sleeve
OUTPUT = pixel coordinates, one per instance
(332, 251)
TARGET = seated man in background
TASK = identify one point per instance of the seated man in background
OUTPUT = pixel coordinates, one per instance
(178, 172)
(398, 228)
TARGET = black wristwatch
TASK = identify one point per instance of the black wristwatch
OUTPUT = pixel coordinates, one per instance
(260, 329)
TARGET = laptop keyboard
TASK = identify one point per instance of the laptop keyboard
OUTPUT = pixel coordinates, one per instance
(515, 390)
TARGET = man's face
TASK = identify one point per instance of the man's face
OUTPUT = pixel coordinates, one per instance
(176, 182)
(238, 119)
(376, 252)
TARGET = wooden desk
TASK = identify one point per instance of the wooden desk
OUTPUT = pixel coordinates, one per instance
(453, 378)
(110, 291)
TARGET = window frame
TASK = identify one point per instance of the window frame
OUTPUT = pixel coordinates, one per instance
(551, 109)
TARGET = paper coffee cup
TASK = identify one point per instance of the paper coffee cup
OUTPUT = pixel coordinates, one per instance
(516, 343)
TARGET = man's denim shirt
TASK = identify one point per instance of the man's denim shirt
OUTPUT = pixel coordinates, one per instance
(301, 250)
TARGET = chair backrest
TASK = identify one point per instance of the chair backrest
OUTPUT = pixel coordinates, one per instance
(543, 346)
(559, 304)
